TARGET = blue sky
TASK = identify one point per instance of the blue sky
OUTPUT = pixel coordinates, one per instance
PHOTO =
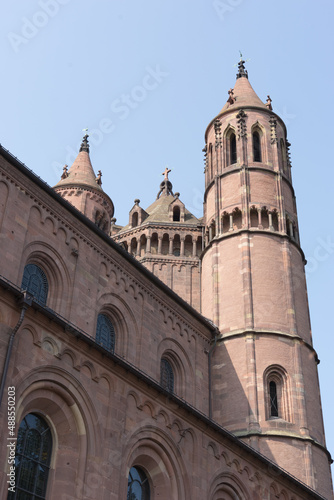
(147, 77)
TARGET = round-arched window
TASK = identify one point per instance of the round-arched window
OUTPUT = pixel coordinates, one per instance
(32, 458)
(105, 333)
(138, 485)
(35, 282)
(166, 375)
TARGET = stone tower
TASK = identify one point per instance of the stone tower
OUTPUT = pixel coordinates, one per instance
(264, 367)
(167, 239)
(82, 188)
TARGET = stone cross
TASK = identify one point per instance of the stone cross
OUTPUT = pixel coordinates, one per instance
(165, 173)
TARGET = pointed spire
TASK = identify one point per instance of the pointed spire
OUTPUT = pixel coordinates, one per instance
(81, 171)
(243, 94)
(84, 145)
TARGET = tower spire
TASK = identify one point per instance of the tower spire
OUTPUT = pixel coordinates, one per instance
(81, 187)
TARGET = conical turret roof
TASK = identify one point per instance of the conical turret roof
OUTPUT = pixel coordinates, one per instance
(81, 172)
(243, 94)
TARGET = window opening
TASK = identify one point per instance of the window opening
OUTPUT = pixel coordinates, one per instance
(35, 282)
(135, 219)
(233, 149)
(105, 333)
(138, 485)
(273, 399)
(32, 459)
(256, 147)
(166, 375)
(176, 214)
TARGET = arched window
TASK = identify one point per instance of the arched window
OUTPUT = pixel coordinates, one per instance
(176, 214)
(226, 222)
(273, 399)
(105, 333)
(265, 218)
(254, 217)
(276, 383)
(32, 459)
(233, 149)
(135, 219)
(257, 156)
(35, 282)
(176, 245)
(138, 485)
(166, 375)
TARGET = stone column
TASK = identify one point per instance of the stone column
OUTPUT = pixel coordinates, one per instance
(194, 247)
(138, 247)
(170, 245)
(159, 244)
(182, 247)
(231, 222)
(148, 244)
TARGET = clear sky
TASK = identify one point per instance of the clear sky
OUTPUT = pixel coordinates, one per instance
(147, 77)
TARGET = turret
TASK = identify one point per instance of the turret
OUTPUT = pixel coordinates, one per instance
(265, 382)
(167, 239)
(82, 188)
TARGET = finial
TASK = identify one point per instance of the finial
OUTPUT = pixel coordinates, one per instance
(268, 103)
(165, 173)
(98, 178)
(65, 173)
(84, 145)
(137, 201)
(166, 186)
(242, 71)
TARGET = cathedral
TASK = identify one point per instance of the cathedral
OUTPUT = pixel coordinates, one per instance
(170, 358)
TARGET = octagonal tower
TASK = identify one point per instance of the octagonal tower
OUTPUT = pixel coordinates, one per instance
(264, 371)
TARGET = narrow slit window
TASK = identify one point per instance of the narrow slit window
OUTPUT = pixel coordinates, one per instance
(135, 219)
(273, 399)
(257, 146)
(233, 149)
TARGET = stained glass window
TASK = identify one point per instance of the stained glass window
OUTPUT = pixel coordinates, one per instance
(105, 333)
(32, 459)
(166, 375)
(35, 282)
(138, 485)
